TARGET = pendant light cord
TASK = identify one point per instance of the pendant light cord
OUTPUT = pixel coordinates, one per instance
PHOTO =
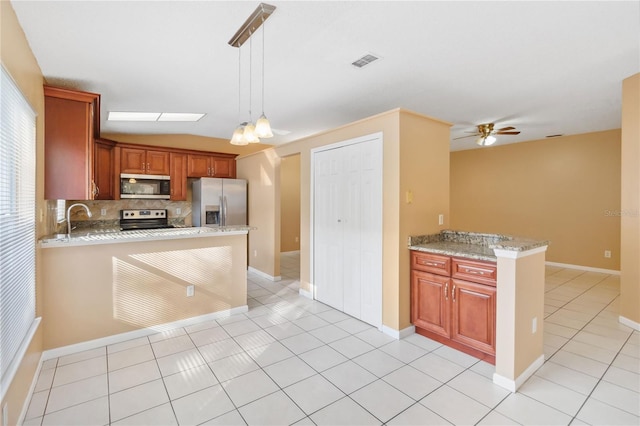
(263, 30)
(250, 54)
(239, 86)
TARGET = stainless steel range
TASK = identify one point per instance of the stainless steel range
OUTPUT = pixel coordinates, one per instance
(144, 219)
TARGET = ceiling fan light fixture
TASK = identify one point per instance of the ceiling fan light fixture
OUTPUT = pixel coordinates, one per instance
(486, 140)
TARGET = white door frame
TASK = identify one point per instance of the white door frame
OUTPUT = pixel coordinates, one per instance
(313, 151)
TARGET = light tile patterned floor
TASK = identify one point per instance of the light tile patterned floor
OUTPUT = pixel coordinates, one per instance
(290, 360)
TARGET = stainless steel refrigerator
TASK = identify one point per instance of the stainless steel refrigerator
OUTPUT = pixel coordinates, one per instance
(219, 202)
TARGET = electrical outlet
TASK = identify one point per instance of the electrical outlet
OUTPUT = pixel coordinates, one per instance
(297, 239)
(534, 325)
(607, 254)
(178, 210)
(440, 219)
(190, 290)
(103, 212)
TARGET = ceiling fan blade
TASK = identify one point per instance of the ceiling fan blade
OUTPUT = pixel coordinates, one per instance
(462, 137)
(506, 133)
(506, 128)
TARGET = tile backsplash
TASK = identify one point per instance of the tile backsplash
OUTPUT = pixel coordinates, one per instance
(112, 209)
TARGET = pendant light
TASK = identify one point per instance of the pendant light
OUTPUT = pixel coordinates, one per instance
(263, 127)
(250, 128)
(247, 132)
(238, 134)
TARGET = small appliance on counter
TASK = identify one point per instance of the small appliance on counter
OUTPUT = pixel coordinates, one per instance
(219, 202)
(131, 220)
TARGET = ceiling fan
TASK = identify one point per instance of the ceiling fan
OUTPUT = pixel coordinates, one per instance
(486, 132)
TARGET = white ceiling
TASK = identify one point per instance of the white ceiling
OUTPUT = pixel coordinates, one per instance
(544, 67)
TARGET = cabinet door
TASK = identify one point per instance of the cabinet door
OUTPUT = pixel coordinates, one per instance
(178, 177)
(103, 175)
(198, 165)
(157, 163)
(474, 315)
(222, 167)
(132, 160)
(68, 149)
(430, 307)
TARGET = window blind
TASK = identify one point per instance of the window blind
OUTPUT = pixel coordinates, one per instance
(17, 227)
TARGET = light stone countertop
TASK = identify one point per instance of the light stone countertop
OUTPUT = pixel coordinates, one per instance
(114, 236)
(473, 245)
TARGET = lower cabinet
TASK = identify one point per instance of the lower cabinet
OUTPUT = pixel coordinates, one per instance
(458, 313)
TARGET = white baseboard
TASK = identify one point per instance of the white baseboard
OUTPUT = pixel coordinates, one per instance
(122, 337)
(27, 401)
(306, 293)
(583, 268)
(398, 334)
(290, 252)
(513, 385)
(264, 274)
(629, 323)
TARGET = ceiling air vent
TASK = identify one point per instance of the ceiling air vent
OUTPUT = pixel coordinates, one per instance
(364, 61)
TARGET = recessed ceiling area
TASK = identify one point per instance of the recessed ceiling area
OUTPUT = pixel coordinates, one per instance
(546, 68)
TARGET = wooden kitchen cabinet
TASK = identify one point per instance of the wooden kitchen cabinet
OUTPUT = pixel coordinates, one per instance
(178, 176)
(460, 313)
(71, 123)
(203, 165)
(103, 170)
(144, 161)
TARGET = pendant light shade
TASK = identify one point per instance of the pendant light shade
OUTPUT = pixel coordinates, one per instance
(250, 133)
(238, 136)
(263, 128)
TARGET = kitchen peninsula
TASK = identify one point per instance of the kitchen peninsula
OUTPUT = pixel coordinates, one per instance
(483, 294)
(105, 287)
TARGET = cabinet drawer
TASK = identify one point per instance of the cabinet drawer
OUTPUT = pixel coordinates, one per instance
(474, 270)
(433, 263)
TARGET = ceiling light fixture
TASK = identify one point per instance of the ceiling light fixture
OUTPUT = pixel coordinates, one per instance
(247, 132)
(486, 140)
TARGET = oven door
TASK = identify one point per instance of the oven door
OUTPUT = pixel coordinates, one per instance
(145, 186)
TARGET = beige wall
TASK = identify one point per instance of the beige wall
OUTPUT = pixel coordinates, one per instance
(97, 291)
(564, 189)
(630, 203)
(413, 145)
(262, 172)
(19, 61)
(290, 203)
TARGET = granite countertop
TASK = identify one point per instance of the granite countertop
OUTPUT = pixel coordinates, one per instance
(472, 245)
(114, 236)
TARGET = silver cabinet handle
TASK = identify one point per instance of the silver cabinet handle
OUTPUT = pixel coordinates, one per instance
(446, 291)
(453, 292)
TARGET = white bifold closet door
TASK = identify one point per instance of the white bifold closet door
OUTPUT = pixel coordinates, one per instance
(347, 229)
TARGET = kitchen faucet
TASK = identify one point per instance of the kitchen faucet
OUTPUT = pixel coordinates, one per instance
(69, 218)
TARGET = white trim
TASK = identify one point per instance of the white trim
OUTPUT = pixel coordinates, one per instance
(306, 293)
(583, 268)
(122, 337)
(513, 385)
(398, 334)
(11, 371)
(515, 254)
(629, 323)
(32, 388)
(264, 274)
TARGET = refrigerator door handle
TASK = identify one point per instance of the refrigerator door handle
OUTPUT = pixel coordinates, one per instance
(224, 222)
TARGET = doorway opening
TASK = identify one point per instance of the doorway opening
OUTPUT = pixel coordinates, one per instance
(290, 217)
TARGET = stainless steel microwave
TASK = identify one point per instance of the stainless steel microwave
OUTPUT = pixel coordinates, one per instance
(145, 186)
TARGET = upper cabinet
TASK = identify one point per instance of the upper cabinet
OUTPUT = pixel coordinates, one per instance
(72, 122)
(217, 165)
(144, 161)
(103, 170)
